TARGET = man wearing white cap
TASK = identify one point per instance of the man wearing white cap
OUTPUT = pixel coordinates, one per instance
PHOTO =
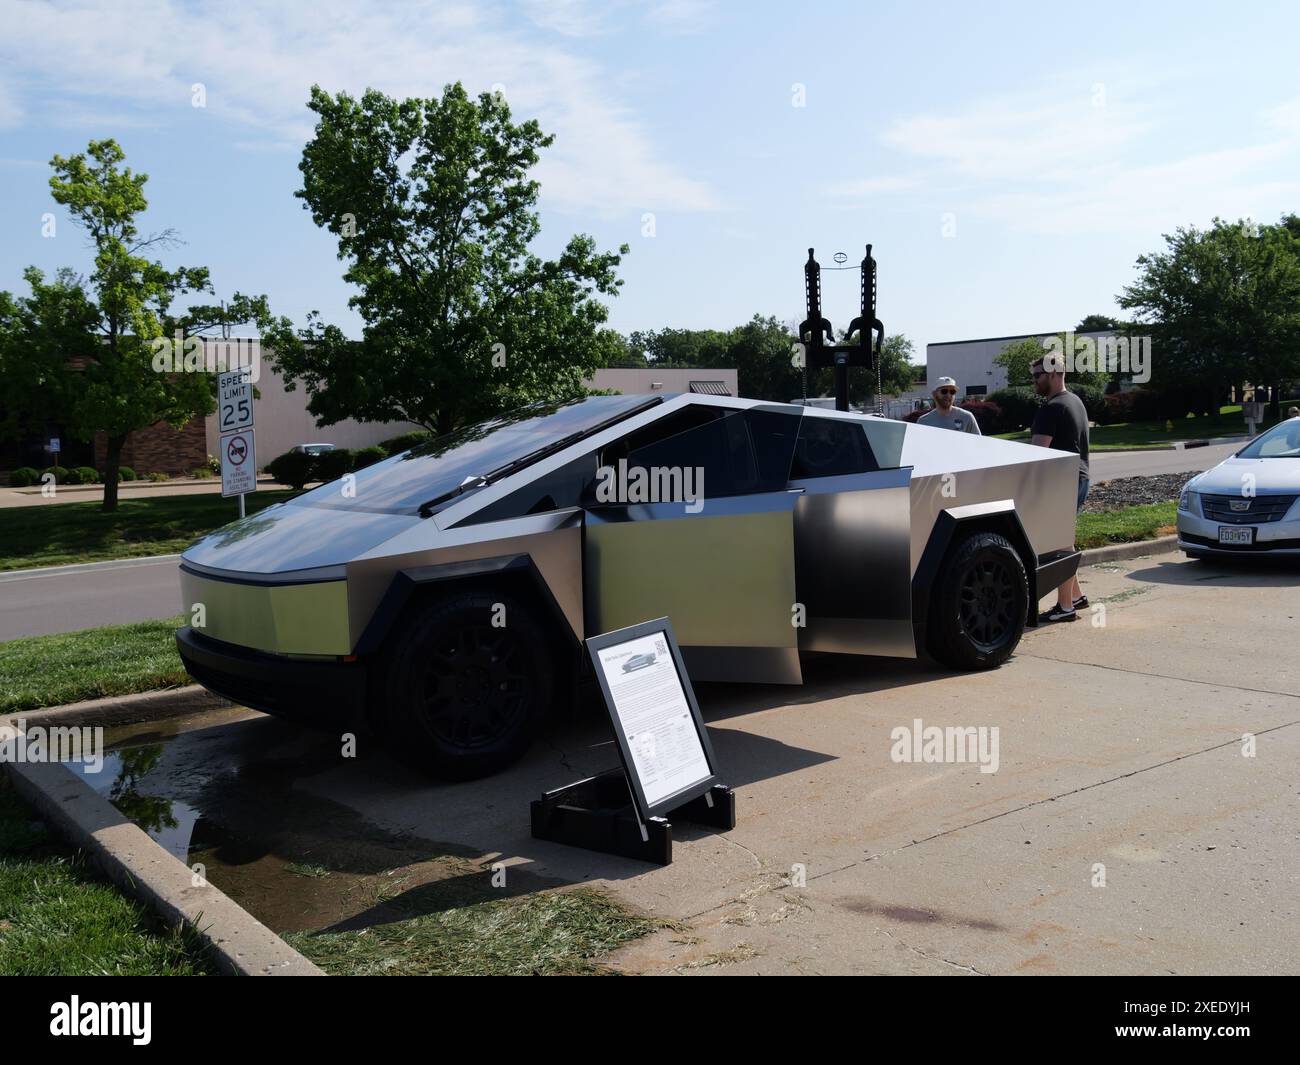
(946, 414)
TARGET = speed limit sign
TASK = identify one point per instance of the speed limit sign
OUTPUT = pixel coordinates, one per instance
(234, 400)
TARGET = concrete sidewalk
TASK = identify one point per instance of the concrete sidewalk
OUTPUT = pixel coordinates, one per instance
(94, 493)
(1120, 754)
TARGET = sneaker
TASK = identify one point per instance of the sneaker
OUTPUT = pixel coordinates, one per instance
(1081, 603)
(1057, 613)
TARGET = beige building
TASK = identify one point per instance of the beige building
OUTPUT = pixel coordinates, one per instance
(633, 382)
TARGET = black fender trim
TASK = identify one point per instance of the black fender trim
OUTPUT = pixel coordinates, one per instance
(408, 581)
(999, 516)
(1054, 569)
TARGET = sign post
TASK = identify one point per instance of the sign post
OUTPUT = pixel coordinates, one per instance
(668, 762)
(235, 424)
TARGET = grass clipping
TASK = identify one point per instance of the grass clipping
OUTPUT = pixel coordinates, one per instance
(549, 933)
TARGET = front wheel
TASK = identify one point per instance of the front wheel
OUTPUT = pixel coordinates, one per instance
(468, 683)
(979, 605)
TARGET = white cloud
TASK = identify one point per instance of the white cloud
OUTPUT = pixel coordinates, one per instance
(681, 16)
(1052, 162)
(257, 61)
(571, 18)
(1285, 117)
(11, 114)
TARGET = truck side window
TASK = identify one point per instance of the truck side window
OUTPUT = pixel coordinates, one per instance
(831, 447)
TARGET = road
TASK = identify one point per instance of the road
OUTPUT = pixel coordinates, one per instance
(1109, 464)
(69, 598)
(1141, 817)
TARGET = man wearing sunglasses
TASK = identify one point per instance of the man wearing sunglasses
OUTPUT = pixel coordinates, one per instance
(1062, 423)
(946, 414)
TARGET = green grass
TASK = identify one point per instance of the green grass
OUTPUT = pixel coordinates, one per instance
(58, 919)
(1137, 436)
(40, 671)
(56, 534)
(1125, 525)
(540, 933)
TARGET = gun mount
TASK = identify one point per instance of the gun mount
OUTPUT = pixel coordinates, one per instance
(818, 337)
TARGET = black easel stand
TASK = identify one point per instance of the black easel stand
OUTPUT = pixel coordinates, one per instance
(598, 814)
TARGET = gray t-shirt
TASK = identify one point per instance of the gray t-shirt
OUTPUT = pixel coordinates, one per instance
(957, 418)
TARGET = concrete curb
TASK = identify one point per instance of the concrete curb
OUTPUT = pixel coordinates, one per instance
(1114, 552)
(241, 944)
(128, 709)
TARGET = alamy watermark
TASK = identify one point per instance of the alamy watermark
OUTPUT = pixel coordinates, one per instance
(952, 744)
(1108, 354)
(195, 354)
(58, 743)
(651, 484)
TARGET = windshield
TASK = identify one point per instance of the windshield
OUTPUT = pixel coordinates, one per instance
(437, 470)
(1280, 442)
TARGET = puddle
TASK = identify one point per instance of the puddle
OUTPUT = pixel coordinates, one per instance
(221, 791)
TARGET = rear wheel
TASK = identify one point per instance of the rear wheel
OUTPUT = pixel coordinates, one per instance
(468, 682)
(981, 598)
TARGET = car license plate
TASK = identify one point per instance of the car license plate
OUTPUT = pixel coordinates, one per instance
(1236, 535)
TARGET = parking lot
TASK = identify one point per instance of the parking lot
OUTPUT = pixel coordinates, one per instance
(1127, 829)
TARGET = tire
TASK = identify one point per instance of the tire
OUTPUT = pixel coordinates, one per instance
(980, 602)
(463, 698)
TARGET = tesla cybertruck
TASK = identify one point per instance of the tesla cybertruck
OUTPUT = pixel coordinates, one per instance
(441, 597)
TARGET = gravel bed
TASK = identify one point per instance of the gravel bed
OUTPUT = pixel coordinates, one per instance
(1133, 491)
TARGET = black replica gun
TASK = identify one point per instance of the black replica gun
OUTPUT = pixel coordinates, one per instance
(816, 330)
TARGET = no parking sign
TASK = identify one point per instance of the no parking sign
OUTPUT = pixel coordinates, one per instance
(238, 463)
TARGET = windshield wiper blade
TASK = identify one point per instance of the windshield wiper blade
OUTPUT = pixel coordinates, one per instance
(425, 509)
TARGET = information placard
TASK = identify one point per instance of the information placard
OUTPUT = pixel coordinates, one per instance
(656, 719)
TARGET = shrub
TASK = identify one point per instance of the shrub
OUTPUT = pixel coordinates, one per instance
(368, 456)
(24, 477)
(125, 473)
(88, 474)
(213, 466)
(292, 468)
(1119, 408)
(157, 476)
(331, 465)
(1094, 399)
(1018, 404)
(60, 474)
(988, 416)
(405, 442)
(202, 474)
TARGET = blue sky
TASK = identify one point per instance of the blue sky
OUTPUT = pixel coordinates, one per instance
(1008, 161)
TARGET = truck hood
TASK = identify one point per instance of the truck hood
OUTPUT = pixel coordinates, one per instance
(292, 536)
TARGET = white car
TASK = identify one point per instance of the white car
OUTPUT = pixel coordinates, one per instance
(1249, 504)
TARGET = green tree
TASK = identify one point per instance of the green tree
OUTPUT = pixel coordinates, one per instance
(897, 373)
(1222, 307)
(81, 350)
(761, 350)
(1094, 322)
(434, 212)
(1016, 358)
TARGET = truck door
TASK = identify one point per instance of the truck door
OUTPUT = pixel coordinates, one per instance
(719, 565)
